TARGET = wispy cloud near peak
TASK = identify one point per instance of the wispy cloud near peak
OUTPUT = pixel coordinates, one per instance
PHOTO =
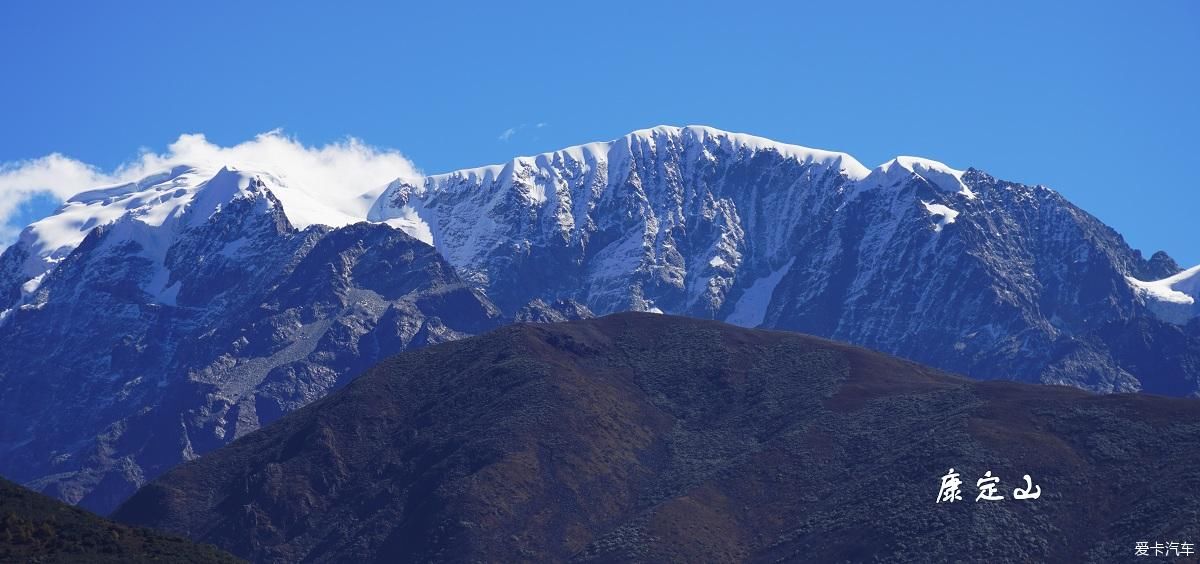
(343, 168)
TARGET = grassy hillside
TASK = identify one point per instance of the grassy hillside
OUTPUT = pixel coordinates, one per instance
(639, 437)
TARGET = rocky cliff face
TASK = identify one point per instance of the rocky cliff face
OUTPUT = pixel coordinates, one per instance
(148, 345)
(953, 268)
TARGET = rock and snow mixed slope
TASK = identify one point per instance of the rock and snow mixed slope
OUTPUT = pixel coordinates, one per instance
(198, 313)
(174, 313)
(950, 267)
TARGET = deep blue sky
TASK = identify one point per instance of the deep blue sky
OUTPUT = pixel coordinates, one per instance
(1095, 99)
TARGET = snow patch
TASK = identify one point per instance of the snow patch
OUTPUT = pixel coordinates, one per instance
(30, 286)
(944, 212)
(751, 308)
(1175, 299)
(939, 175)
(408, 220)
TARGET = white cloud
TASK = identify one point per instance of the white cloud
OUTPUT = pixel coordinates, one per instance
(508, 134)
(54, 174)
(338, 171)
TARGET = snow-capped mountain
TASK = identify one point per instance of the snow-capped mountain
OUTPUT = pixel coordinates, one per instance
(949, 267)
(146, 323)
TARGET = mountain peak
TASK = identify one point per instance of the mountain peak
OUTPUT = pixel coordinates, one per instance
(690, 137)
(151, 200)
(164, 194)
(938, 174)
(705, 136)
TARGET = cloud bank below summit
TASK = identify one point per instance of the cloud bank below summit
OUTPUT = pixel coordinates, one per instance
(342, 170)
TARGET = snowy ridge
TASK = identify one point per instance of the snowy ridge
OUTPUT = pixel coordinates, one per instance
(157, 197)
(478, 217)
(158, 200)
(561, 190)
(650, 138)
(148, 216)
(150, 201)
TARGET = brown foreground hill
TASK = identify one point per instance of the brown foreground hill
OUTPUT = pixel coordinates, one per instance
(38, 529)
(640, 437)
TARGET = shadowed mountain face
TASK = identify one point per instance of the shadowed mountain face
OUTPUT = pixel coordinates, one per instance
(148, 345)
(36, 528)
(657, 438)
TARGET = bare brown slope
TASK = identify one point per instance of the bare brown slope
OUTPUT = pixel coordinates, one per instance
(655, 438)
